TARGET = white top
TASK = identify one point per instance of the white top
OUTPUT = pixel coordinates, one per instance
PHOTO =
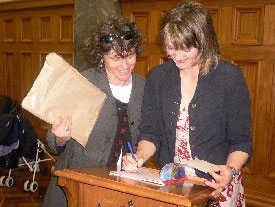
(122, 93)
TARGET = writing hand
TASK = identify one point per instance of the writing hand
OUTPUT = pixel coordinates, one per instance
(131, 165)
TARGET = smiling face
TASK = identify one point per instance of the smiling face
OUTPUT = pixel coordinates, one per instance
(119, 69)
(183, 58)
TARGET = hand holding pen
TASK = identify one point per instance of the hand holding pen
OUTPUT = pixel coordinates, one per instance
(132, 153)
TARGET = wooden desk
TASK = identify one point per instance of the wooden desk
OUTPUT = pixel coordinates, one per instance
(94, 187)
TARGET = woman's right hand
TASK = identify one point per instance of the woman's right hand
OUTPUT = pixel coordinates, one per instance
(61, 128)
(131, 165)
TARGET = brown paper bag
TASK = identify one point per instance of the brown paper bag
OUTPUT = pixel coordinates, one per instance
(60, 90)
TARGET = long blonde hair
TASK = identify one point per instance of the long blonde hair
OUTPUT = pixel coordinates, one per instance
(190, 25)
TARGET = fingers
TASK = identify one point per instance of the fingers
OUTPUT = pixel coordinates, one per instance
(62, 130)
(221, 174)
(215, 175)
(221, 178)
(66, 123)
(219, 168)
(217, 193)
(218, 188)
(62, 124)
(140, 161)
(212, 184)
(129, 164)
(57, 123)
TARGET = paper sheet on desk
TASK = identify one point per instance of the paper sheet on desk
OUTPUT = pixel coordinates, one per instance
(144, 176)
(60, 90)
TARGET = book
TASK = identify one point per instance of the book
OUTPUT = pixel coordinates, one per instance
(200, 165)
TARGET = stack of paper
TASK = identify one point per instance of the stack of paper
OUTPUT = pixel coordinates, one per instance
(144, 176)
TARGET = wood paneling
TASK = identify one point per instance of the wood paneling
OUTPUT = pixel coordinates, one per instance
(66, 29)
(269, 19)
(246, 32)
(248, 25)
(142, 64)
(29, 31)
(8, 30)
(26, 30)
(45, 32)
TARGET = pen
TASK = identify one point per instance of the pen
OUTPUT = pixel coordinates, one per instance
(132, 153)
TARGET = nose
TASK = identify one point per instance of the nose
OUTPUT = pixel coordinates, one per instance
(124, 63)
(178, 55)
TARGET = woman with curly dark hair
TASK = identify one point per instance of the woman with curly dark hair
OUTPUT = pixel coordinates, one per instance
(113, 50)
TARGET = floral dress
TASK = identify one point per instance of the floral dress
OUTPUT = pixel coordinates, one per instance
(233, 195)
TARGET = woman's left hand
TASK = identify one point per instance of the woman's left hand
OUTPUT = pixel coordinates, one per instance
(222, 175)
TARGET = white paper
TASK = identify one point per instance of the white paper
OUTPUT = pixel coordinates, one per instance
(143, 176)
(118, 164)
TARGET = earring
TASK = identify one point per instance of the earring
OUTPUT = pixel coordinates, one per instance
(101, 64)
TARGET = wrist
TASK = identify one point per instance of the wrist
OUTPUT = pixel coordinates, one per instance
(234, 172)
(60, 142)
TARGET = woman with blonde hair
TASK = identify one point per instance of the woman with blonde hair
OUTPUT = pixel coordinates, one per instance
(196, 105)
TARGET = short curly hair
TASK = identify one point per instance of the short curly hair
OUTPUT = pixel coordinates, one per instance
(114, 33)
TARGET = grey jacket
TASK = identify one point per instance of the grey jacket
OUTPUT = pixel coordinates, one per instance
(98, 148)
(220, 116)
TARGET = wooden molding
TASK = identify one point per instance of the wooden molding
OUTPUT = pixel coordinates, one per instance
(12, 5)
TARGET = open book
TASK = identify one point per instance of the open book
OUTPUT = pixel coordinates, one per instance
(144, 176)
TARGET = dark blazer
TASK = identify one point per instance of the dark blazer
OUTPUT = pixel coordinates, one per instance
(220, 117)
(98, 148)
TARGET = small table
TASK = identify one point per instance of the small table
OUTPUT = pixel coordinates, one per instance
(95, 187)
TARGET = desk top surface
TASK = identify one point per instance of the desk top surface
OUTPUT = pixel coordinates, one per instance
(189, 190)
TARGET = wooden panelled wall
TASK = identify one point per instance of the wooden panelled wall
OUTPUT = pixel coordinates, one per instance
(29, 30)
(246, 32)
(246, 29)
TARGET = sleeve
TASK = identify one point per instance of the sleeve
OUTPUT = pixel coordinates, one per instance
(149, 125)
(52, 143)
(238, 126)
